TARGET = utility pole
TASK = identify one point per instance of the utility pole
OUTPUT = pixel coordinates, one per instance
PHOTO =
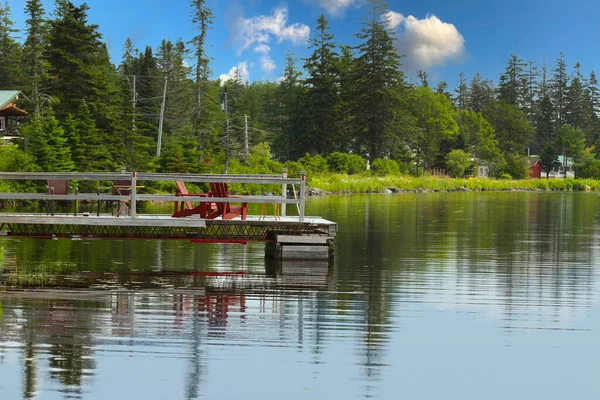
(226, 136)
(246, 137)
(160, 119)
(134, 98)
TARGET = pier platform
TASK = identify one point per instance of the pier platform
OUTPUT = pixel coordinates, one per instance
(285, 237)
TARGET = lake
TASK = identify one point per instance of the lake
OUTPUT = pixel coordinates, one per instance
(430, 296)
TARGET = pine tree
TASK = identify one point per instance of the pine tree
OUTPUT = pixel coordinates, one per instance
(96, 157)
(442, 88)
(530, 92)
(35, 64)
(423, 78)
(79, 63)
(61, 153)
(461, 100)
(379, 84)
(202, 18)
(511, 86)
(593, 109)
(288, 111)
(71, 135)
(321, 102)
(575, 105)
(10, 51)
(559, 84)
(347, 94)
(481, 93)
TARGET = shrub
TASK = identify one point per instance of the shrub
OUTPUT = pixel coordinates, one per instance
(314, 164)
(457, 162)
(346, 163)
(383, 167)
(505, 176)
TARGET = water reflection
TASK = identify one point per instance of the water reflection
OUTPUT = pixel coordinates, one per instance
(469, 295)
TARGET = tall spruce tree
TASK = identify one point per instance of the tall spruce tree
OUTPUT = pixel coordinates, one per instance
(288, 112)
(481, 93)
(511, 85)
(202, 18)
(576, 100)
(559, 84)
(321, 101)
(35, 65)
(461, 100)
(10, 51)
(379, 84)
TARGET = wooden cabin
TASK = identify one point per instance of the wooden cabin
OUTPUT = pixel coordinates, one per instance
(10, 115)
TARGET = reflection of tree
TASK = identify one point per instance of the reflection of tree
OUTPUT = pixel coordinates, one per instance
(69, 327)
(196, 367)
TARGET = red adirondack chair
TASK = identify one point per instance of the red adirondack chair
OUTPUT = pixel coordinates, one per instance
(226, 210)
(207, 209)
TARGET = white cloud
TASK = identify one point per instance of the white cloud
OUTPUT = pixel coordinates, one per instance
(334, 7)
(394, 19)
(262, 49)
(243, 70)
(427, 42)
(260, 30)
(267, 63)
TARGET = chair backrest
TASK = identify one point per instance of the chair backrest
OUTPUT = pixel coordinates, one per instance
(181, 187)
(60, 186)
(122, 190)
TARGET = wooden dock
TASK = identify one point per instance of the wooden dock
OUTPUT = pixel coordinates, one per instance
(286, 237)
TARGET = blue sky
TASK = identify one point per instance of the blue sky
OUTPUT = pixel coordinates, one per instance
(440, 36)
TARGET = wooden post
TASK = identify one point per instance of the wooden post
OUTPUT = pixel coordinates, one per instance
(302, 189)
(284, 174)
(133, 194)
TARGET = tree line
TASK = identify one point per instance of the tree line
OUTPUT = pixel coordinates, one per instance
(86, 113)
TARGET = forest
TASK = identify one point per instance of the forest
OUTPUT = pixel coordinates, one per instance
(343, 109)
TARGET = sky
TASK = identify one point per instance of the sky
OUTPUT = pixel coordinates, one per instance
(441, 37)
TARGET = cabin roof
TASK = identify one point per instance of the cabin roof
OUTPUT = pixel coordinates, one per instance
(7, 97)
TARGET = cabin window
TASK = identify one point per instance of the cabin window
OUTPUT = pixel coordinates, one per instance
(2, 124)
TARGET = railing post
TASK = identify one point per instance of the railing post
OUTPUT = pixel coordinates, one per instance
(284, 174)
(302, 189)
(76, 200)
(133, 194)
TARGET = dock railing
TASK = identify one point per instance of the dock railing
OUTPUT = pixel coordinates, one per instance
(138, 177)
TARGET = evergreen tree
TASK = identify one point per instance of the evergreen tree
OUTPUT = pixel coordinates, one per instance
(71, 135)
(530, 92)
(96, 157)
(10, 51)
(347, 94)
(423, 78)
(576, 101)
(461, 100)
(442, 88)
(288, 112)
(321, 102)
(202, 18)
(559, 84)
(481, 93)
(79, 64)
(35, 64)
(593, 109)
(379, 84)
(510, 88)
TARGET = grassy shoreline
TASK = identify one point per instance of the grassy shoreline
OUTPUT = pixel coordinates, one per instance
(349, 184)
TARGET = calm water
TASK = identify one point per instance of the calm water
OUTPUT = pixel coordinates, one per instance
(459, 296)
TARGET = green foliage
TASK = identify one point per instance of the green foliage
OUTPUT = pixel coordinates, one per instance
(589, 169)
(346, 163)
(314, 165)
(457, 162)
(384, 166)
(434, 117)
(516, 166)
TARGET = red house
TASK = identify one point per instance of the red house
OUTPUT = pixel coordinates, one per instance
(535, 168)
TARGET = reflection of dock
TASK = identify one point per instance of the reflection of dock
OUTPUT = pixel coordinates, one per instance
(295, 237)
